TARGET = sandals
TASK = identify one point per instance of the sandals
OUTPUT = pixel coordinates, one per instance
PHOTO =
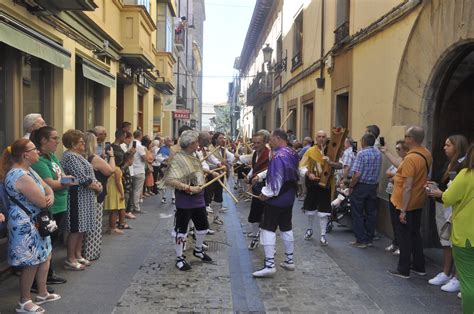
(130, 216)
(76, 266)
(34, 309)
(124, 226)
(84, 261)
(50, 297)
(115, 231)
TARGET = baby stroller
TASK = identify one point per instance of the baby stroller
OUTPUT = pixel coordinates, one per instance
(340, 212)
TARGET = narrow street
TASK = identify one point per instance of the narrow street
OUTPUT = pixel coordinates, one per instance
(136, 274)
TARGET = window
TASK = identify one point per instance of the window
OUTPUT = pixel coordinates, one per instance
(342, 20)
(36, 77)
(140, 110)
(342, 110)
(164, 34)
(89, 101)
(297, 59)
(307, 120)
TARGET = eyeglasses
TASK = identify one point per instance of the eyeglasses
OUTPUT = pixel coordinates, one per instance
(398, 149)
(406, 136)
(31, 149)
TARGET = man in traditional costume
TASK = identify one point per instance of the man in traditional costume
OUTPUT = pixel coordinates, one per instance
(318, 198)
(256, 177)
(279, 195)
(185, 174)
(224, 158)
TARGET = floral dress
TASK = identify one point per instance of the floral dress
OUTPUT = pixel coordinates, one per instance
(25, 245)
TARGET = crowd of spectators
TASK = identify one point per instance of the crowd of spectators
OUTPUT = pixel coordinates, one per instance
(90, 178)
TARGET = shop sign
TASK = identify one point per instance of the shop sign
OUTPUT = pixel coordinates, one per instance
(182, 114)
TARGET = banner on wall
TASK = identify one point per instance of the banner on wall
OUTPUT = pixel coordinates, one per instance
(169, 103)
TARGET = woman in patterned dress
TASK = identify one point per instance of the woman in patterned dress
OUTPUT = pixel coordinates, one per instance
(81, 216)
(26, 248)
(103, 169)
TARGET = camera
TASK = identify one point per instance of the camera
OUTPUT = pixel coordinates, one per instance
(354, 147)
(108, 146)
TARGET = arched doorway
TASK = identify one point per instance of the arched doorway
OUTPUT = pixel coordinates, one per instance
(453, 107)
(435, 79)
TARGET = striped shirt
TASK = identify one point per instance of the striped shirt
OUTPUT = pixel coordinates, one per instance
(368, 163)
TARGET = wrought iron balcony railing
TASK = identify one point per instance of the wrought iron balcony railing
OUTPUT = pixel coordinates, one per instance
(260, 91)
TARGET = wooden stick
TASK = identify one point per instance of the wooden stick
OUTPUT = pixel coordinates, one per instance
(209, 154)
(286, 119)
(253, 195)
(212, 181)
(231, 195)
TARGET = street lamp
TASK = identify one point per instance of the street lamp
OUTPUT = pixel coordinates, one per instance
(278, 67)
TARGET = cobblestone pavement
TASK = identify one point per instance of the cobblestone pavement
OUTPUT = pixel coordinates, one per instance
(160, 286)
(317, 285)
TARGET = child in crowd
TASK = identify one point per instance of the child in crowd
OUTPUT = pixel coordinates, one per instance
(149, 180)
(342, 193)
(115, 199)
(127, 188)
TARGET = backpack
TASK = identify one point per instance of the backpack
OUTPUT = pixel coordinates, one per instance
(4, 206)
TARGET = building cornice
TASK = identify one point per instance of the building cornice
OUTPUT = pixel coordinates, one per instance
(256, 27)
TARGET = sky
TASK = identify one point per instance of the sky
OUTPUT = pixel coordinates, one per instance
(225, 28)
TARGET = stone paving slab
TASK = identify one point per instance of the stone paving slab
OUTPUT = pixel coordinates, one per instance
(317, 285)
(159, 286)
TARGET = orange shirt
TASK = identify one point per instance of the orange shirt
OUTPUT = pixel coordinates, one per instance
(413, 165)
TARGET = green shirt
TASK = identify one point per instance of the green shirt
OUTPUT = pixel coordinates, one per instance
(51, 168)
(460, 195)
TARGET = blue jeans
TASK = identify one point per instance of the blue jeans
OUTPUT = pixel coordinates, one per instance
(363, 209)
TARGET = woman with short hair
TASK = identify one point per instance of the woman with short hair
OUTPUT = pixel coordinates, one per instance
(81, 216)
(185, 174)
(26, 247)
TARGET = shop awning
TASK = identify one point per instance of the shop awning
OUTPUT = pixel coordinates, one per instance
(30, 41)
(93, 72)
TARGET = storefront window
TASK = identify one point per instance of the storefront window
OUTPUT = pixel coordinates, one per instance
(36, 79)
(89, 97)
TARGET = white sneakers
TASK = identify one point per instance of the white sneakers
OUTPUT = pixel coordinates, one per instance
(209, 209)
(452, 286)
(440, 279)
(447, 283)
(265, 272)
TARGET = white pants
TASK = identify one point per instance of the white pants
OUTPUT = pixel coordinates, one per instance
(137, 190)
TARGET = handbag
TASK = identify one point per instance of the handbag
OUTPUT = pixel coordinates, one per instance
(45, 224)
(445, 231)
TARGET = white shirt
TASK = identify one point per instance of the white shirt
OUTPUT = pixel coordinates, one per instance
(139, 159)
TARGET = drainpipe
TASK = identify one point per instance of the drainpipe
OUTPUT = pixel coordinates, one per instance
(320, 83)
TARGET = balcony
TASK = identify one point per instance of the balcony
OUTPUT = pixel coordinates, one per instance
(342, 32)
(164, 65)
(260, 91)
(136, 36)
